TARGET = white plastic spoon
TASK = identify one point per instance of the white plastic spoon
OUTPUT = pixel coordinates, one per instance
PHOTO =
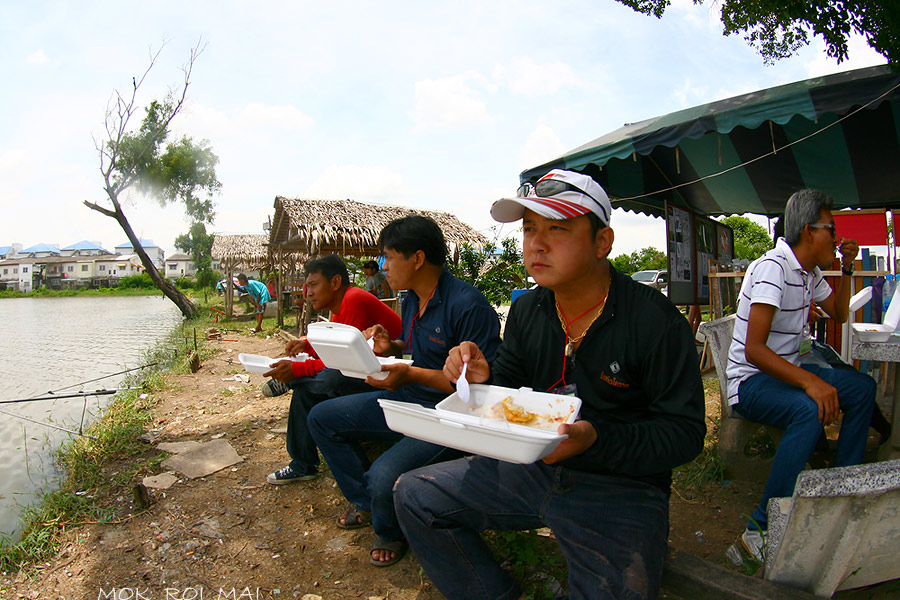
(462, 384)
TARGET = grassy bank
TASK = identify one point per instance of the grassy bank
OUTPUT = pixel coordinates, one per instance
(95, 469)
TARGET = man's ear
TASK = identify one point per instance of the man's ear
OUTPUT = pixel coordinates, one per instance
(603, 241)
(419, 259)
(336, 282)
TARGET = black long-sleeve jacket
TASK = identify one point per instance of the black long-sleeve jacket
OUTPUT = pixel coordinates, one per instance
(636, 372)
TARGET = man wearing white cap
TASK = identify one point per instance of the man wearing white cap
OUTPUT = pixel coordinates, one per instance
(627, 353)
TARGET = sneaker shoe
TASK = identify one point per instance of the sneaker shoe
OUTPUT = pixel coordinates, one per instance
(273, 388)
(287, 475)
(754, 543)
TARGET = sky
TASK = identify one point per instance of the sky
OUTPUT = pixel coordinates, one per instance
(436, 105)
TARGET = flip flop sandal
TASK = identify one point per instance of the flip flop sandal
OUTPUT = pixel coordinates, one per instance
(399, 549)
(355, 518)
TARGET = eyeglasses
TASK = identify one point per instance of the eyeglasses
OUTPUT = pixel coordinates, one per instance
(829, 226)
(551, 187)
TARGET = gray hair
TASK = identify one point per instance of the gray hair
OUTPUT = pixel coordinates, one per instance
(803, 208)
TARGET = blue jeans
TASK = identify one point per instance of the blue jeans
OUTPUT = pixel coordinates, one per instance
(339, 425)
(307, 392)
(765, 400)
(612, 531)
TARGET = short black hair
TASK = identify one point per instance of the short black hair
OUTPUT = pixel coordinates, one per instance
(371, 264)
(596, 224)
(329, 266)
(242, 277)
(408, 235)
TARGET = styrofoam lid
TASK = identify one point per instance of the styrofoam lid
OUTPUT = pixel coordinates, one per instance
(892, 316)
(860, 298)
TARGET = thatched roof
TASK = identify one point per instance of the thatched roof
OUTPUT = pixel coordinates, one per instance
(350, 228)
(247, 250)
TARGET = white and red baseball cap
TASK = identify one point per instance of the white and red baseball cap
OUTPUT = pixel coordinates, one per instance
(557, 195)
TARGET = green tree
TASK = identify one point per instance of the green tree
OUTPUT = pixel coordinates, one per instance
(778, 28)
(182, 171)
(647, 258)
(495, 275)
(751, 240)
(198, 244)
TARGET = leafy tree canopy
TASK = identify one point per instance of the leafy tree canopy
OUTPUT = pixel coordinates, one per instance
(180, 171)
(198, 244)
(751, 240)
(648, 258)
(495, 275)
(778, 28)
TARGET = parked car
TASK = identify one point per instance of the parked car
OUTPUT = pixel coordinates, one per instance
(655, 278)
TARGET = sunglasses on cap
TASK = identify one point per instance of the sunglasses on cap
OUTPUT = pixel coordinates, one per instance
(546, 188)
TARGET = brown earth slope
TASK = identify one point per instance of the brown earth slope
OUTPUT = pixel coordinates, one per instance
(231, 535)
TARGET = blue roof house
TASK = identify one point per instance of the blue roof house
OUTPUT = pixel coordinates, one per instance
(84, 248)
(41, 251)
(155, 253)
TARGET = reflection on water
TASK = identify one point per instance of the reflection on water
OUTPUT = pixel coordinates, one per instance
(52, 343)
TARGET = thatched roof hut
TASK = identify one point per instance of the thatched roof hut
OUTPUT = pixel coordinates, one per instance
(249, 251)
(350, 228)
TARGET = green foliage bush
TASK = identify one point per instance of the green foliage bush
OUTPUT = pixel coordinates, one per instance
(495, 275)
(647, 258)
(142, 282)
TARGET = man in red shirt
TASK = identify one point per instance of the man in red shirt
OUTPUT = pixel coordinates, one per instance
(328, 288)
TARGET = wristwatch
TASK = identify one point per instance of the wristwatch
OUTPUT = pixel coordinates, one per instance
(848, 271)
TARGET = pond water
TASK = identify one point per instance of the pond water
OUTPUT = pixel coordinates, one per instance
(55, 344)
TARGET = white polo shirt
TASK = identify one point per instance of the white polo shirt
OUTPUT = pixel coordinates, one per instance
(774, 278)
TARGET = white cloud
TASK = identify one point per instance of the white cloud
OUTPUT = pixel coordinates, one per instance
(11, 160)
(542, 145)
(526, 77)
(38, 57)
(450, 103)
(358, 182)
(859, 55)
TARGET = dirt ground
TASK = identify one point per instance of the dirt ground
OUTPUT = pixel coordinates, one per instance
(231, 535)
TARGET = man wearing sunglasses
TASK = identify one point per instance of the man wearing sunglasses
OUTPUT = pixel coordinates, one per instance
(628, 354)
(766, 381)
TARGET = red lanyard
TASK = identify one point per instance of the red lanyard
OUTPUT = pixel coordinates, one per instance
(415, 316)
(566, 341)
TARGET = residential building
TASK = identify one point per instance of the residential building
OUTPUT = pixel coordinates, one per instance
(41, 251)
(109, 270)
(180, 265)
(84, 248)
(155, 253)
(10, 251)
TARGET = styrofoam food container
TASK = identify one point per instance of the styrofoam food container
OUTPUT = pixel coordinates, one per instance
(344, 347)
(452, 424)
(860, 298)
(873, 332)
(257, 363)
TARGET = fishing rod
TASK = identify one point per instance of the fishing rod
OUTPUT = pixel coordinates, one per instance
(60, 396)
(104, 377)
(79, 433)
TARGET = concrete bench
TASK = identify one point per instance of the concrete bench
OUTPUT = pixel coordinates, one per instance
(838, 531)
(734, 431)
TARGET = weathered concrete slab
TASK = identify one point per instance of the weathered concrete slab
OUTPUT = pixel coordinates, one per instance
(163, 481)
(177, 447)
(203, 460)
(839, 530)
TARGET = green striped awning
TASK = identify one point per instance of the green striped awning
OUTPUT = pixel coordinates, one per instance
(838, 133)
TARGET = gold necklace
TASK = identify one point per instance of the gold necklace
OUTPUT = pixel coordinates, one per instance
(570, 342)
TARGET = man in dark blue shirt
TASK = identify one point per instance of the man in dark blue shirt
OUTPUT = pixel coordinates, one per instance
(439, 312)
